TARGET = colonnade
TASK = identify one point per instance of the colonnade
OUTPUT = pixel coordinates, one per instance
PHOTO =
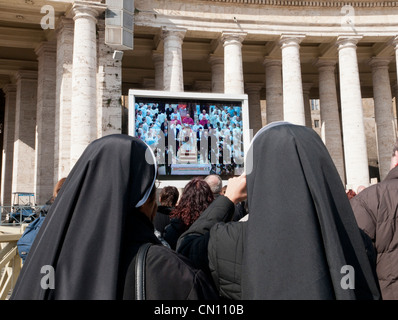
(86, 82)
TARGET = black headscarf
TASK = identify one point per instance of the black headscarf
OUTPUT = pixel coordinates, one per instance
(301, 229)
(84, 233)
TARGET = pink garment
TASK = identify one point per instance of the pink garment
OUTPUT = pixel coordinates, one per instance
(188, 121)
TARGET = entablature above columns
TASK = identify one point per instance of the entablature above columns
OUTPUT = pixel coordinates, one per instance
(319, 3)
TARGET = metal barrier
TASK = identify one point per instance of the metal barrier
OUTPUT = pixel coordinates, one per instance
(18, 214)
(10, 263)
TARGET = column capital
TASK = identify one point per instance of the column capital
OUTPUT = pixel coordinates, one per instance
(288, 40)
(46, 46)
(232, 37)
(379, 63)
(213, 59)
(176, 32)
(395, 43)
(307, 87)
(85, 9)
(325, 64)
(64, 22)
(347, 41)
(10, 88)
(272, 62)
(253, 87)
(26, 74)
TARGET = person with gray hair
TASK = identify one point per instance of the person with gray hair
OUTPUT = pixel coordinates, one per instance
(215, 183)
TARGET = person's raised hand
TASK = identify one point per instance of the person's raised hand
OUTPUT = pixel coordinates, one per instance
(236, 189)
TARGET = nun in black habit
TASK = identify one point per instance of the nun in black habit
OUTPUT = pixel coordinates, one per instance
(301, 239)
(95, 227)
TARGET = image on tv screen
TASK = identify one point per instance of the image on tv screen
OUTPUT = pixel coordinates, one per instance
(192, 137)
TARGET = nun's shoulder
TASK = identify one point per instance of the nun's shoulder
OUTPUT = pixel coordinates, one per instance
(163, 258)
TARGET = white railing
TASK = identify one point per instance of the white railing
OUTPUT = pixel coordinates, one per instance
(10, 263)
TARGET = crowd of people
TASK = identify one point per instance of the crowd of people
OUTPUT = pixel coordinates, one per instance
(213, 133)
(286, 230)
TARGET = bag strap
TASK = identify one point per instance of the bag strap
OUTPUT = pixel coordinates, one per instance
(140, 271)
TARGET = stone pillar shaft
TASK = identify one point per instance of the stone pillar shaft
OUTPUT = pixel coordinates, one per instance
(23, 178)
(63, 106)
(109, 88)
(356, 158)
(273, 89)
(8, 144)
(173, 77)
(233, 65)
(84, 81)
(217, 74)
(329, 112)
(383, 113)
(307, 107)
(157, 58)
(253, 93)
(45, 132)
(293, 102)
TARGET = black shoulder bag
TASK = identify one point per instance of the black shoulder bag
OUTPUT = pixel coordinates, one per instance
(140, 271)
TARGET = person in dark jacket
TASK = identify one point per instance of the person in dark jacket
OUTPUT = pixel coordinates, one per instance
(301, 236)
(90, 238)
(195, 198)
(168, 198)
(375, 209)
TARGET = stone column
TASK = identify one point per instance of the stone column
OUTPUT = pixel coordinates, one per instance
(84, 80)
(23, 175)
(253, 93)
(109, 88)
(356, 157)
(383, 113)
(217, 74)
(157, 58)
(307, 107)
(395, 44)
(202, 86)
(273, 89)
(293, 102)
(63, 105)
(233, 66)
(173, 77)
(45, 131)
(10, 91)
(329, 112)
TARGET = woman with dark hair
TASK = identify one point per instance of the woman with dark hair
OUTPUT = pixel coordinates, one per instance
(195, 198)
(89, 242)
(168, 198)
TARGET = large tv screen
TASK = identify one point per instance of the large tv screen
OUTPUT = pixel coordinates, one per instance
(191, 133)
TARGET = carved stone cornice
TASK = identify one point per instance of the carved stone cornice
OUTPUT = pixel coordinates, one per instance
(319, 3)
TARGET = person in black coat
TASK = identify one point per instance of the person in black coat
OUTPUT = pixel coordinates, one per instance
(95, 227)
(168, 198)
(300, 237)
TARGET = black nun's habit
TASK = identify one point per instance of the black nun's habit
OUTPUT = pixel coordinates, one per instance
(302, 240)
(93, 231)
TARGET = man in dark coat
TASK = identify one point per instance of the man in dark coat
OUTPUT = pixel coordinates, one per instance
(95, 227)
(375, 209)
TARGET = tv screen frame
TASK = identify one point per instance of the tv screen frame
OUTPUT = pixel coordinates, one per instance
(180, 181)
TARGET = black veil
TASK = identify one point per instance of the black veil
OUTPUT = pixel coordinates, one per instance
(301, 229)
(82, 236)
